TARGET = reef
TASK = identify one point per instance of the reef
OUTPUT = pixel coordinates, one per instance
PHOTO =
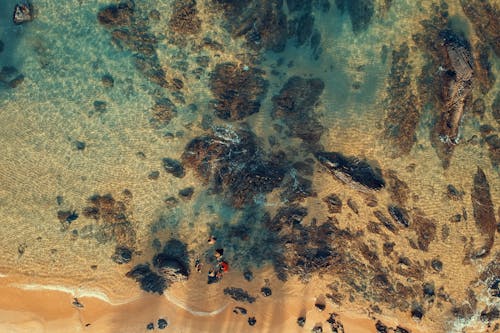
(449, 55)
(295, 107)
(112, 220)
(234, 165)
(261, 22)
(485, 18)
(184, 19)
(238, 90)
(484, 214)
(350, 170)
(403, 106)
(360, 12)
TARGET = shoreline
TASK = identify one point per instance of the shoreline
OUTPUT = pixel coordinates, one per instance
(48, 308)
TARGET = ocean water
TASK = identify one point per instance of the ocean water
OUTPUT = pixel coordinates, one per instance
(63, 55)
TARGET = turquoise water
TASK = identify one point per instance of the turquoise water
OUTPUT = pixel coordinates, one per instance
(64, 54)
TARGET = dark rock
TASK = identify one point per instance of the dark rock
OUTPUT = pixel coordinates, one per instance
(248, 275)
(171, 202)
(425, 229)
(351, 170)
(67, 216)
(266, 291)
(320, 306)
(184, 19)
(150, 326)
(187, 192)
(171, 267)
(399, 190)
(297, 188)
(116, 15)
(252, 321)
(403, 111)
(59, 200)
(381, 328)
(163, 112)
(239, 294)
(484, 17)
(100, 106)
(385, 221)
(399, 215)
(108, 81)
(122, 255)
(295, 106)
(479, 107)
(495, 108)
(22, 13)
(80, 145)
(334, 203)
(240, 310)
(317, 329)
(453, 193)
(429, 290)
(154, 175)
(301, 321)
(15, 82)
(238, 90)
(149, 280)
(262, 23)
(233, 162)
(484, 73)
(399, 329)
(162, 323)
(360, 12)
(484, 213)
(353, 205)
(489, 315)
(388, 247)
(417, 312)
(301, 28)
(173, 167)
(437, 265)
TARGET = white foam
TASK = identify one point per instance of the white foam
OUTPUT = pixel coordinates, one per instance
(73, 291)
(183, 306)
(83, 292)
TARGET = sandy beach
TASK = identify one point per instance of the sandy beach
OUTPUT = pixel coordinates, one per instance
(26, 309)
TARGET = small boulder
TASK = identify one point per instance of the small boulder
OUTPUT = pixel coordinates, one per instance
(22, 13)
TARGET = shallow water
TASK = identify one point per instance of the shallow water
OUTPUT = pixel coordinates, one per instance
(64, 53)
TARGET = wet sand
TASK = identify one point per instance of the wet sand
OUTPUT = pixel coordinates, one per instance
(24, 310)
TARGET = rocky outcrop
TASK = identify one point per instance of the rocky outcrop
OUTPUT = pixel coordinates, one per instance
(233, 163)
(238, 90)
(485, 18)
(484, 214)
(350, 170)
(360, 12)
(295, 107)
(403, 109)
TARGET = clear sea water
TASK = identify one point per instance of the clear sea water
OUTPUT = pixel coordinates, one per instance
(63, 55)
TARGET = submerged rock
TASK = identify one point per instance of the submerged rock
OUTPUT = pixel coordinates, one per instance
(239, 294)
(295, 104)
(360, 12)
(22, 13)
(238, 90)
(232, 161)
(352, 171)
(173, 167)
(184, 19)
(403, 111)
(484, 15)
(122, 255)
(116, 15)
(484, 213)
